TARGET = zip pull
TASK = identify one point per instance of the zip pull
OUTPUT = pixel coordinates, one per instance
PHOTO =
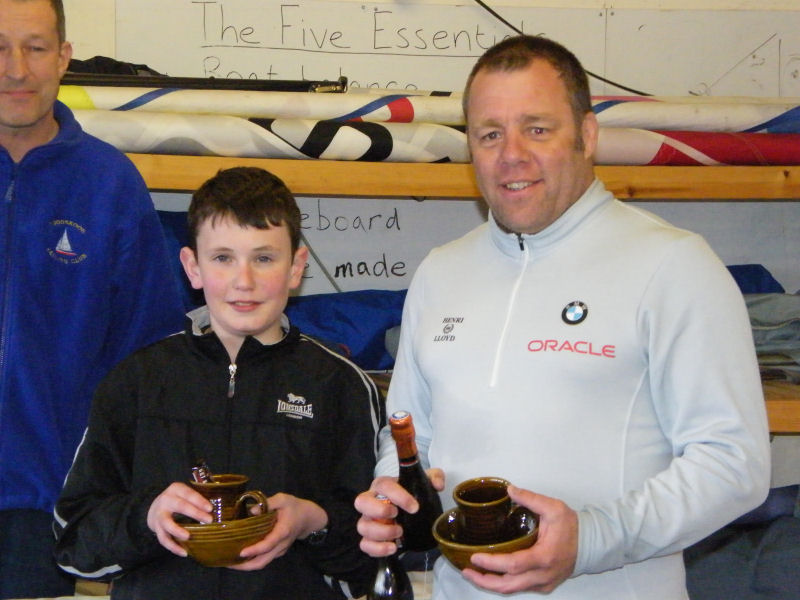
(521, 242)
(9, 197)
(232, 381)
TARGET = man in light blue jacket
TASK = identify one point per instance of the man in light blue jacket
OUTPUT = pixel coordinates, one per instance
(592, 354)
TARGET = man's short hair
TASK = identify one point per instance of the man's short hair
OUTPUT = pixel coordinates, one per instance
(61, 22)
(251, 197)
(518, 52)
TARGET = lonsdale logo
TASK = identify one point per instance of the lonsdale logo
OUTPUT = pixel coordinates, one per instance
(295, 407)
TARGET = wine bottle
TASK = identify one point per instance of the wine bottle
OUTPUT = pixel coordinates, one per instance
(391, 581)
(417, 534)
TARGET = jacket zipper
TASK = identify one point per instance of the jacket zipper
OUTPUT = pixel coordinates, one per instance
(8, 207)
(229, 415)
(9, 197)
(498, 357)
(232, 380)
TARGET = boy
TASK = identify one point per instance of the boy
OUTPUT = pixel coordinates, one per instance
(216, 391)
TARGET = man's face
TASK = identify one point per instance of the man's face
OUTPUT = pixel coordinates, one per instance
(246, 275)
(32, 62)
(525, 146)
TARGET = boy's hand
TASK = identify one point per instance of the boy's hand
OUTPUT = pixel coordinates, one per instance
(296, 519)
(180, 499)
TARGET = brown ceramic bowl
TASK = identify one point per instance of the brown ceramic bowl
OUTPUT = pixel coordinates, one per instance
(520, 533)
(219, 544)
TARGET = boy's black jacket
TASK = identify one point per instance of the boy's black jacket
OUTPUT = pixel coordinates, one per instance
(301, 420)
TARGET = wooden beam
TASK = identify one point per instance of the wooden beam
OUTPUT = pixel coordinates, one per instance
(317, 177)
(702, 183)
(783, 406)
(164, 172)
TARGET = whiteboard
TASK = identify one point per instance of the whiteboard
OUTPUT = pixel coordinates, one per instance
(378, 243)
(389, 45)
(367, 243)
(706, 53)
(407, 45)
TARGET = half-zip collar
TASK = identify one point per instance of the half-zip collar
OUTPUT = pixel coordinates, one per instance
(512, 244)
(204, 340)
(512, 298)
(200, 323)
(524, 247)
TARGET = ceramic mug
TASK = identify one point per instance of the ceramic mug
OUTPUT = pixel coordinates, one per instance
(484, 510)
(228, 496)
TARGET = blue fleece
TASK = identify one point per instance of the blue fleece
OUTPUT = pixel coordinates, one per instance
(84, 281)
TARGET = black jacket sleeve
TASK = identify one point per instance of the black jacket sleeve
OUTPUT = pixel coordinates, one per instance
(100, 523)
(362, 415)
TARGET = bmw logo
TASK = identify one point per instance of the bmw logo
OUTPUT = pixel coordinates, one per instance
(574, 313)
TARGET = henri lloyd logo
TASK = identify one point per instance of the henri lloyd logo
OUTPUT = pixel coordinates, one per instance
(295, 407)
(448, 326)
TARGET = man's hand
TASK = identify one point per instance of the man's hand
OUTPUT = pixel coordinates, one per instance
(542, 567)
(377, 536)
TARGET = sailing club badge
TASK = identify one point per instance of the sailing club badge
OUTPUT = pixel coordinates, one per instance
(67, 238)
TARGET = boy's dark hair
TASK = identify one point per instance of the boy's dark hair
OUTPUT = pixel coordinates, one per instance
(518, 52)
(251, 197)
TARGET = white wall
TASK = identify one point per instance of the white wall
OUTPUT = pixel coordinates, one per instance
(91, 27)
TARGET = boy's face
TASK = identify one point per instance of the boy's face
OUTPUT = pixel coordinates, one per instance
(246, 275)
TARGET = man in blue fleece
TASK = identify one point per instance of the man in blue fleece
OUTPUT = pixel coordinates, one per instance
(84, 281)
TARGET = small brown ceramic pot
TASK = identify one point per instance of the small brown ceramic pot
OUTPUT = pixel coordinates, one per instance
(228, 496)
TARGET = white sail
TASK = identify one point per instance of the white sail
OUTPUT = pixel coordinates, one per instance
(64, 246)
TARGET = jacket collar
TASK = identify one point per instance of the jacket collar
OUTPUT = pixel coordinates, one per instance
(202, 337)
(68, 127)
(595, 197)
(69, 132)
